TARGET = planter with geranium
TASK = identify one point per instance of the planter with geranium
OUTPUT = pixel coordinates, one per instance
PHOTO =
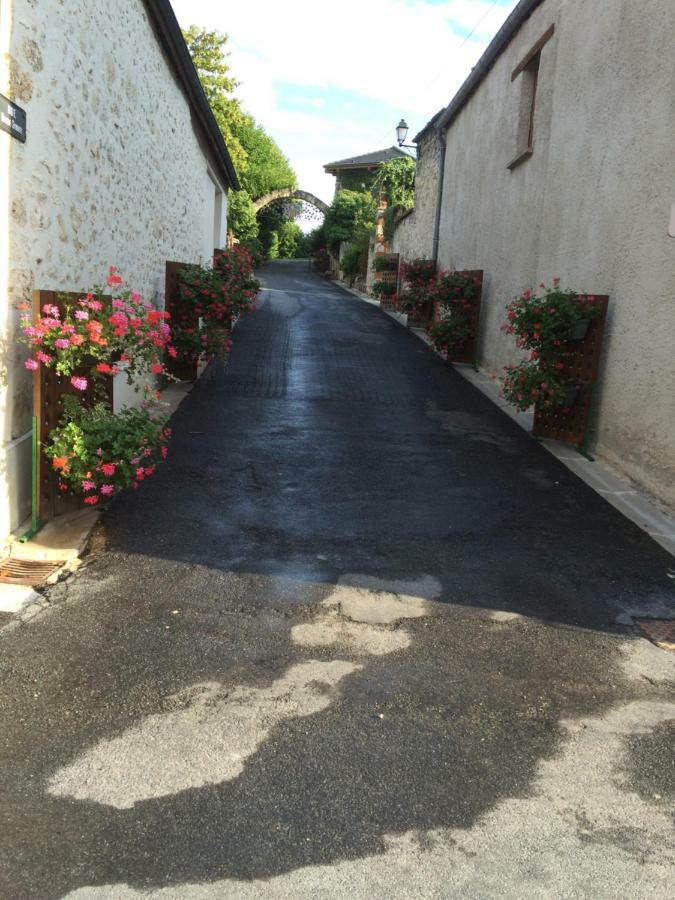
(206, 301)
(418, 278)
(78, 342)
(562, 330)
(97, 453)
(455, 314)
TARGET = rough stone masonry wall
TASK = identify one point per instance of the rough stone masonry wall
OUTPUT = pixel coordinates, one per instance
(112, 173)
(591, 205)
(413, 238)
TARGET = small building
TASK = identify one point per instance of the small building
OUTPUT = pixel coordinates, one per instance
(555, 159)
(357, 172)
(121, 163)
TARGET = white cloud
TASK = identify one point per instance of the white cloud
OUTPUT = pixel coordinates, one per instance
(401, 55)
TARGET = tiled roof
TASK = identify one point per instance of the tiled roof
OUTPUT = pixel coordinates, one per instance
(366, 159)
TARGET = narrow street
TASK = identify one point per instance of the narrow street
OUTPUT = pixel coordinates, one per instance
(361, 636)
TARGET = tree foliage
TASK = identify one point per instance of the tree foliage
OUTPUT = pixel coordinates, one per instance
(260, 164)
(241, 215)
(207, 49)
(290, 235)
(396, 181)
(350, 217)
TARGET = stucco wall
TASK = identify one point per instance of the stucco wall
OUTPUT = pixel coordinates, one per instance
(112, 173)
(413, 237)
(591, 205)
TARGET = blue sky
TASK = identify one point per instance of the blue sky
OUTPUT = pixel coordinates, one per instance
(331, 81)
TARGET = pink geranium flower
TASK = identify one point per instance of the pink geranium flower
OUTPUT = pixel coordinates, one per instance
(62, 343)
(79, 383)
(107, 489)
(31, 364)
(88, 485)
(108, 469)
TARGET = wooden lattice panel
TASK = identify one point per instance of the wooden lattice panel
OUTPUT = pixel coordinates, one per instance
(467, 354)
(388, 276)
(582, 359)
(49, 389)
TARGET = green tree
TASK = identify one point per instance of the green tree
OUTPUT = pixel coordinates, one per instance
(350, 217)
(267, 169)
(290, 235)
(273, 246)
(258, 160)
(241, 215)
(207, 49)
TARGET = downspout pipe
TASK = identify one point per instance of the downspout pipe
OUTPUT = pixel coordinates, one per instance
(442, 139)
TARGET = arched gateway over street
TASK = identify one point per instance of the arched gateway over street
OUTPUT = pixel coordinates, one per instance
(284, 193)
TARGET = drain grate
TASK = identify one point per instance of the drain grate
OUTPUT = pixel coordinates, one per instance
(27, 571)
(660, 631)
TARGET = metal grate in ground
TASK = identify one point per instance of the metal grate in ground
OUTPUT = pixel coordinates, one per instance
(660, 631)
(27, 571)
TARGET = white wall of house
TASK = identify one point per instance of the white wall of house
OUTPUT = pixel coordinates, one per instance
(590, 205)
(113, 173)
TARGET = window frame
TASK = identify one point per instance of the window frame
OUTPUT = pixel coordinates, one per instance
(528, 70)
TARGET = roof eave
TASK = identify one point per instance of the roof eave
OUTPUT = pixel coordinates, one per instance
(171, 39)
(494, 49)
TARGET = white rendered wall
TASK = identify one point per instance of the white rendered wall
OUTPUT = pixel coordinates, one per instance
(591, 205)
(112, 173)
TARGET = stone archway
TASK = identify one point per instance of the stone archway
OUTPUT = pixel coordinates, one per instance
(284, 193)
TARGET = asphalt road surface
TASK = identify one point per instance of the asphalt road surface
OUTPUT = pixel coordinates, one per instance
(361, 637)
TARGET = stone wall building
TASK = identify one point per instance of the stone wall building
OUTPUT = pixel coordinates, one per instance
(558, 161)
(413, 236)
(123, 164)
(356, 173)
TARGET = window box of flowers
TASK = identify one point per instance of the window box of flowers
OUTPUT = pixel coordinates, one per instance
(562, 330)
(78, 343)
(456, 300)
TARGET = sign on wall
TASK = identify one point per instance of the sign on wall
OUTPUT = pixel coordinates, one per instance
(12, 119)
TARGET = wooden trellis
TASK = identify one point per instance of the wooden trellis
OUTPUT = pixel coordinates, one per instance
(49, 389)
(388, 276)
(582, 360)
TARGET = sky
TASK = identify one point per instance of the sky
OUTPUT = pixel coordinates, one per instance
(330, 81)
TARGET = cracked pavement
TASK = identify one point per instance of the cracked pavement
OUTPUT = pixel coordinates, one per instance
(360, 636)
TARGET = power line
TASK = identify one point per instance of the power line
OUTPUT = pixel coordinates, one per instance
(441, 71)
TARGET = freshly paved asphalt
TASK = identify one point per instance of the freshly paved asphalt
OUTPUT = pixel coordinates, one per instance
(361, 636)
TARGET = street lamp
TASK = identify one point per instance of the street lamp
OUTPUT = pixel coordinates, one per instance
(402, 133)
